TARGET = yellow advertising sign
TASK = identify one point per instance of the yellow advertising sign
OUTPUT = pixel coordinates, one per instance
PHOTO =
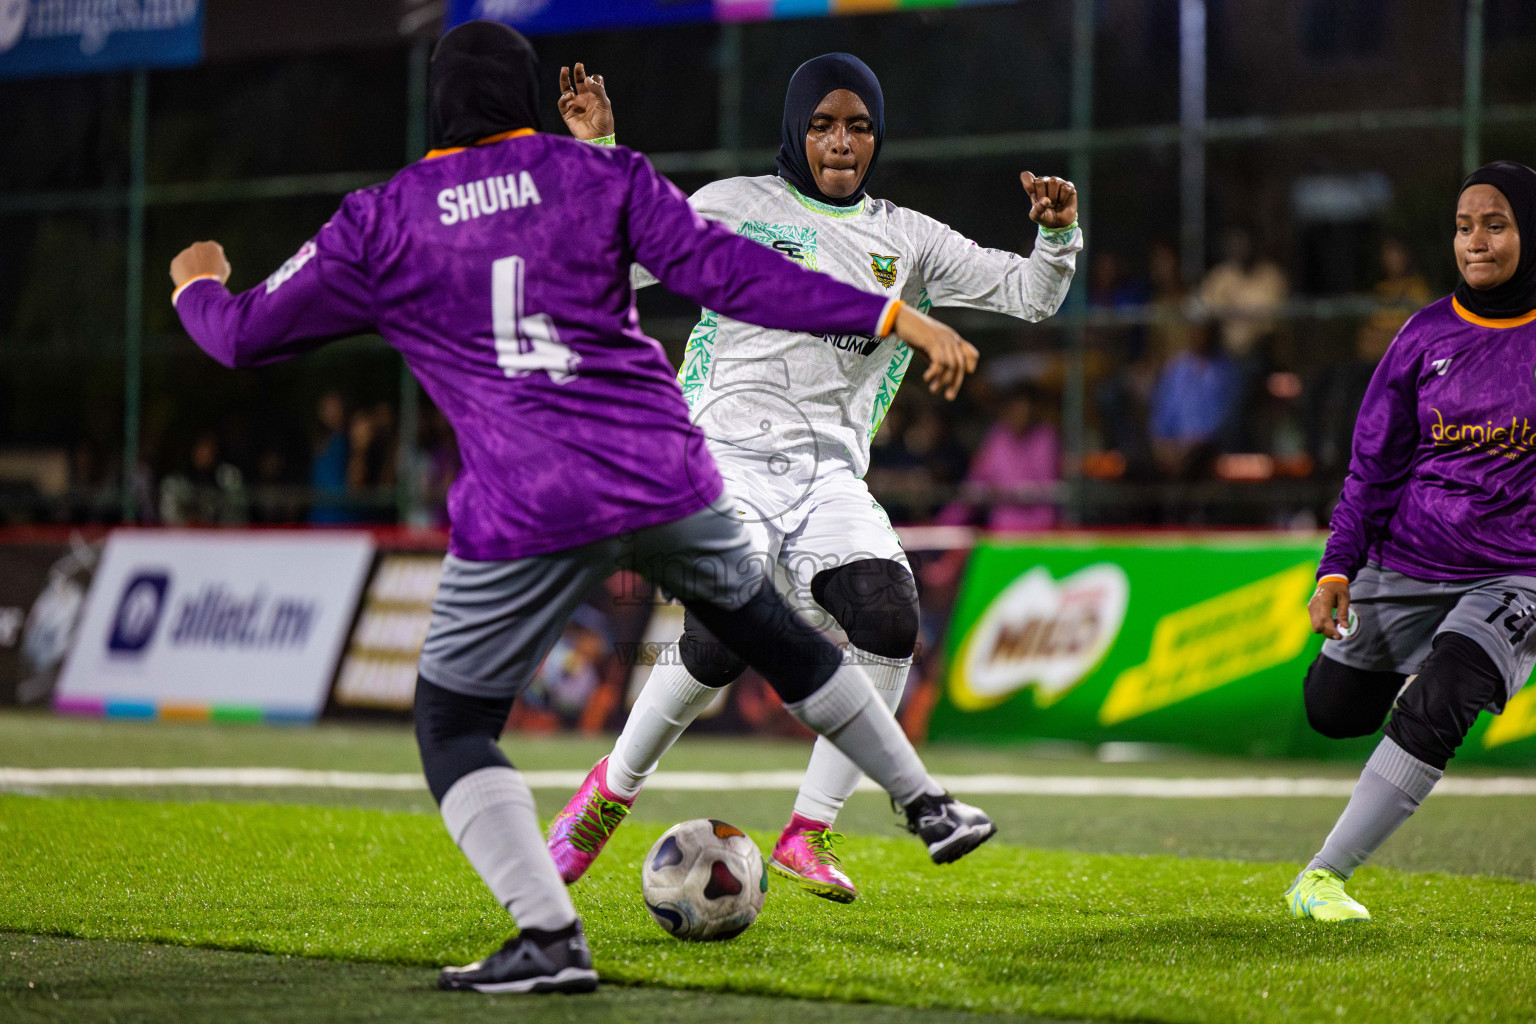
(1518, 721)
(1216, 642)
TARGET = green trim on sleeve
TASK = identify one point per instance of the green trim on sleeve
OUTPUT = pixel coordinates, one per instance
(606, 140)
(1058, 236)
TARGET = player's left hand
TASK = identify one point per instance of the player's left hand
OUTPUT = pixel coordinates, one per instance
(950, 357)
(197, 260)
(584, 104)
(1329, 608)
(1053, 201)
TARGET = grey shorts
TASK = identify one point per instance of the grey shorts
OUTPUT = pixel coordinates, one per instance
(1399, 618)
(493, 622)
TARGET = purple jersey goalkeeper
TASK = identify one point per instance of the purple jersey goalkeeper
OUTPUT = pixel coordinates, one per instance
(501, 273)
(1442, 481)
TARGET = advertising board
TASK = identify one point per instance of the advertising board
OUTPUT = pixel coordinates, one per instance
(378, 671)
(1201, 641)
(41, 38)
(541, 16)
(221, 625)
(42, 592)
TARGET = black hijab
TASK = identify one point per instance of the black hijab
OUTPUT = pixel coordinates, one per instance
(1517, 296)
(484, 80)
(811, 83)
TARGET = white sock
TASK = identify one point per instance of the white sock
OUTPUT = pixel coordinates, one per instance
(846, 711)
(831, 778)
(668, 703)
(490, 814)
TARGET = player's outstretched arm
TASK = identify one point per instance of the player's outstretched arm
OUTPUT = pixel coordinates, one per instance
(958, 272)
(321, 294)
(730, 274)
(584, 104)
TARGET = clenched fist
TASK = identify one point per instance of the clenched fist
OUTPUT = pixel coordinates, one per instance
(197, 260)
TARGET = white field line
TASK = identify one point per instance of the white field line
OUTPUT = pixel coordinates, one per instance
(978, 785)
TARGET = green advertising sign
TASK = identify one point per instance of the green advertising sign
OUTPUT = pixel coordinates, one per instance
(1196, 641)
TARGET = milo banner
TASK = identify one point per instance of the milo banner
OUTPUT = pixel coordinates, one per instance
(1199, 642)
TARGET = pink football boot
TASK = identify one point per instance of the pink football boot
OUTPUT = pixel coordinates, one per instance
(579, 833)
(804, 855)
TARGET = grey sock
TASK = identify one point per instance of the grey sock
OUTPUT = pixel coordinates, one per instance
(1390, 789)
(847, 712)
(490, 815)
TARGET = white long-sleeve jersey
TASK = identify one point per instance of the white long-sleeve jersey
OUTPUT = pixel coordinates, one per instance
(772, 390)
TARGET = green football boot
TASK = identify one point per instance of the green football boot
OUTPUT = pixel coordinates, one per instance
(1319, 894)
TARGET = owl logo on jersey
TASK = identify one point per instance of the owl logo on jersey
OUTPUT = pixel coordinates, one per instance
(884, 268)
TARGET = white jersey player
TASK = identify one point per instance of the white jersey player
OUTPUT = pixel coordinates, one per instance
(790, 417)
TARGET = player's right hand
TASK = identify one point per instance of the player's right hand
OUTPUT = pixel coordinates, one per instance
(200, 259)
(1329, 608)
(950, 357)
(584, 104)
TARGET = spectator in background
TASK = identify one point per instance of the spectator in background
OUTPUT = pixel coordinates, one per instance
(1244, 293)
(1192, 403)
(1125, 398)
(440, 465)
(274, 500)
(895, 473)
(1169, 332)
(1401, 293)
(1111, 287)
(1332, 397)
(371, 467)
(929, 441)
(328, 467)
(1021, 451)
(207, 492)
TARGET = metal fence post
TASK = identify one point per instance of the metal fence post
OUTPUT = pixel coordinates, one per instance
(133, 306)
(1192, 139)
(1074, 405)
(1472, 93)
(407, 463)
(728, 137)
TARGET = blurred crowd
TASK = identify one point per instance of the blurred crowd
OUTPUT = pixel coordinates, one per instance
(1185, 385)
(344, 466)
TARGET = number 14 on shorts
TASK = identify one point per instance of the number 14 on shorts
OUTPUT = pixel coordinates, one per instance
(525, 342)
(1518, 621)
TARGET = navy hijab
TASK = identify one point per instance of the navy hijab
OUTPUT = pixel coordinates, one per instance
(483, 80)
(811, 83)
(1517, 296)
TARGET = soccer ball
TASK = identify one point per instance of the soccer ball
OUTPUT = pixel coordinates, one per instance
(704, 880)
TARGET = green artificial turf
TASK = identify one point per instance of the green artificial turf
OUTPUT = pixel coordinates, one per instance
(1465, 835)
(1010, 929)
(37, 739)
(51, 979)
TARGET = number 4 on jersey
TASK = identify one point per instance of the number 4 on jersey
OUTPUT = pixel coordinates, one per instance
(525, 343)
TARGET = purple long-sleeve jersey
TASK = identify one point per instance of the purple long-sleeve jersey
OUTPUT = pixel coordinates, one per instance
(501, 273)
(1442, 479)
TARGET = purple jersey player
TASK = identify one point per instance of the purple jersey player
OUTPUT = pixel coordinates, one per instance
(500, 268)
(1431, 568)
